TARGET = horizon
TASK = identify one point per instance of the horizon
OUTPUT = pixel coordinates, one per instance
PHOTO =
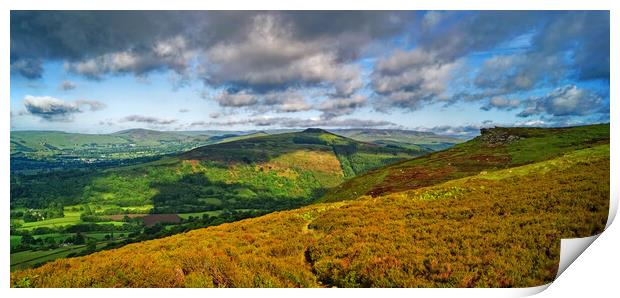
(464, 137)
(449, 72)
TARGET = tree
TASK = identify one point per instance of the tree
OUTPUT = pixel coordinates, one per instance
(91, 247)
(79, 239)
(87, 210)
(28, 240)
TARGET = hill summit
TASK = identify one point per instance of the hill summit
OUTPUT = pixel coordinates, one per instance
(315, 130)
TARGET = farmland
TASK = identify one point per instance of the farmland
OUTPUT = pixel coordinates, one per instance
(209, 185)
(71, 235)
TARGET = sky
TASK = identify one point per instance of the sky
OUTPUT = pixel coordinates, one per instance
(448, 72)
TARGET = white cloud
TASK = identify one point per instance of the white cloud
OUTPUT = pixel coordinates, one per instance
(54, 109)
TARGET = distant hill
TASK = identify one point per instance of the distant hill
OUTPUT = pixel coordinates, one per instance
(30, 141)
(398, 137)
(47, 145)
(490, 212)
(154, 137)
(33, 151)
(235, 137)
(266, 172)
(354, 157)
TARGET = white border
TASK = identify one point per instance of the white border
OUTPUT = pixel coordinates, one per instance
(594, 272)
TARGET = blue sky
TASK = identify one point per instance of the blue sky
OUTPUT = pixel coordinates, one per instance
(446, 72)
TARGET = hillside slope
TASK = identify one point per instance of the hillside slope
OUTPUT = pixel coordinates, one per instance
(495, 148)
(498, 228)
(354, 157)
(399, 137)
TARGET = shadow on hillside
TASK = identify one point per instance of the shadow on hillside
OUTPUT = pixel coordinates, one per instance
(258, 149)
(197, 193)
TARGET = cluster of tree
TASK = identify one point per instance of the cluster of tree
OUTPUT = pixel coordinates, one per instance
(54, 210)
(89, 216)
(163, 230)
(30, 242)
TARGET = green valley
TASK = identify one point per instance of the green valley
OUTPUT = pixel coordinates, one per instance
(209, 185)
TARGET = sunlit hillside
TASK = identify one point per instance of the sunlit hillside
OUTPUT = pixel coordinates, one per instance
(494, 149)
(497, 225)
(266, 172)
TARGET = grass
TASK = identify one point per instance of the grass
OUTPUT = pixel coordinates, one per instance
(199, 214)
(15, 240)
(495, 228)
(490, 151)
(28, 259)
(71, 218)
(25, 259)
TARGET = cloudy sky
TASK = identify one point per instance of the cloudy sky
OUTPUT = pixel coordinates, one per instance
(448, 72)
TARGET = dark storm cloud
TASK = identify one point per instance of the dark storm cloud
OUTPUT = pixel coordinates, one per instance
(53, 109)
(268, 61)
(564, 101)
(541, 58)
(247, 53)
(75, 35)
(79, 35)
(582, 35)
(28, 68)
(586, 34)
(458, 35)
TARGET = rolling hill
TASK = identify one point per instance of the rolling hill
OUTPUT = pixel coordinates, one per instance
(36, 151)
(494, 149)
(401, 138)
(31, 141)
(267, 172)
(44, 150)
(487, 213)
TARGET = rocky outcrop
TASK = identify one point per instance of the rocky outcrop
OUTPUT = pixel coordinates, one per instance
(497, 136)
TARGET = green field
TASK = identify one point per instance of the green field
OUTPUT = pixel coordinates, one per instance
(210, 213)
(70, 218)
(199, 214)
(27, 259)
